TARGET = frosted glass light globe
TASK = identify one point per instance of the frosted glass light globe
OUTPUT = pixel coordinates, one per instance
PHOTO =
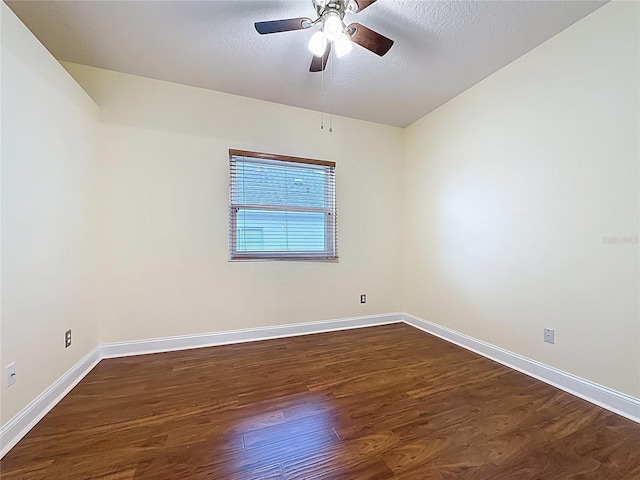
(333, 26)
(343, 45)
(318, 44)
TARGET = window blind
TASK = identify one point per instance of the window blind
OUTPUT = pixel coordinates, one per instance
(281, 208)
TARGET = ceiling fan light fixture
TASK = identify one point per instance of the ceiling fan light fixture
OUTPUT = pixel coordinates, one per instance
(332, 26)
(333, 34)
(318, 44)
(343, 45)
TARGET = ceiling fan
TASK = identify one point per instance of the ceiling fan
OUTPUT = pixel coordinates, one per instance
(334, 32)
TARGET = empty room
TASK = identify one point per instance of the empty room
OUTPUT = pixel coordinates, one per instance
(320, 239)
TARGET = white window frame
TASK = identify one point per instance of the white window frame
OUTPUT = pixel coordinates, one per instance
(329, 253)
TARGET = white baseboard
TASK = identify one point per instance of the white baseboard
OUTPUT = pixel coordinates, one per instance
(12, 432)
(604, 397)
(184, 342)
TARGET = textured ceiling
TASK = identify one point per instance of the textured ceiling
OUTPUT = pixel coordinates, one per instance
(441, 47)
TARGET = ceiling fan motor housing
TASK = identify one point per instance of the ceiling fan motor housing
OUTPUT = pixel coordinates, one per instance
(338, 6)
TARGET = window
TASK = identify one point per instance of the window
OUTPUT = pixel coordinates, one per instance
(281, 208)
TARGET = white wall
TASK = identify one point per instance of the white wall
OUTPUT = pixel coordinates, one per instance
(510, 189)
(48, 173)
(164, 237)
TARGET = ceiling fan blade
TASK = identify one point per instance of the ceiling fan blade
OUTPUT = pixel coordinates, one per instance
(362, 4)
(319, 64)
(367, 38)
(275, 26)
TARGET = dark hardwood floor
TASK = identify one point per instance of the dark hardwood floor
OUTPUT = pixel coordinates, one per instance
(388, 402)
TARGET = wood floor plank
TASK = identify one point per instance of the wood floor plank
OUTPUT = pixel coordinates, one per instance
(286, 431)
(378, 403)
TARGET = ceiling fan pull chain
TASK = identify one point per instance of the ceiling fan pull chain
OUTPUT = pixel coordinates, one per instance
(322, 100)
(330, 97)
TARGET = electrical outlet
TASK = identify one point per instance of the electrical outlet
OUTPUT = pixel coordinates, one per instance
(549, 335)
(363, 298)
(11, 374)
(67, 339)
